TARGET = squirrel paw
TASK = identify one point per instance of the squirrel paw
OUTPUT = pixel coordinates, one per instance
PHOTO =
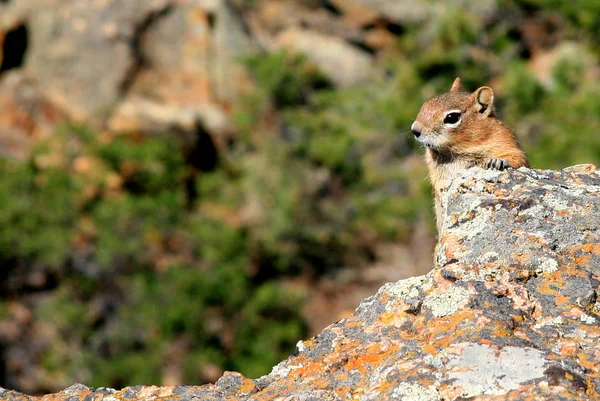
(497, 164)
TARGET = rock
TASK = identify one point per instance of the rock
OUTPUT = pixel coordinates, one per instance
(414, 11)
(544, 60)
(342, 63)
(105, 61)
(26, 115)
(400, 11)
(11, 16)
(141, 114)
(355, 13)
(511, 312)
(274, 16)
(82, 52)
(193, 72)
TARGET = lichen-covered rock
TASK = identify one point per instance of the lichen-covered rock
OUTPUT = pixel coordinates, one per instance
(511, 311)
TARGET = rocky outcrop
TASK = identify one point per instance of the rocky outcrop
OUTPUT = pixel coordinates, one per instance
(145, 66)
(174, 65)
(511, 312)
(162, 65)
(26, 115)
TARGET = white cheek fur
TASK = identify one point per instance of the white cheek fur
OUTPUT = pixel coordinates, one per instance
(435, 142)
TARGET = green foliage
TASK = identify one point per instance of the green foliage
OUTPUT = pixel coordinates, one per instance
(144, 276)
(155, 167)
(139, 271)
(36, 214)
(526, 92)
(266, 316)
(288, 78)
(584, 14)
(326, 185)
(558, 122)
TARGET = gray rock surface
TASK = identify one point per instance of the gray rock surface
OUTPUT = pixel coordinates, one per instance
(106, 60)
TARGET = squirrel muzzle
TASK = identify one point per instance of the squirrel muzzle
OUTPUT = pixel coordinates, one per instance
(416, 129)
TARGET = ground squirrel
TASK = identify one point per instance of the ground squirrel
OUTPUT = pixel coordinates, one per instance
(459, 130)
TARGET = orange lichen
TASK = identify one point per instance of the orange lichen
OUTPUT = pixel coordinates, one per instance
(429, 349)
(547, 289)
(562, 299)
(372, 355)
(309, 369)
(568, 349)
(589, 249)
(389, 318)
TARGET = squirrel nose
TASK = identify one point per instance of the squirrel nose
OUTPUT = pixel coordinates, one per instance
(416, 129)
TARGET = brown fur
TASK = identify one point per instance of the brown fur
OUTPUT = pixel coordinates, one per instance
(479, 137)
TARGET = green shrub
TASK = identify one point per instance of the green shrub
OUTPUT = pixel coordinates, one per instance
(37, 212)
(287, 77)
(136, 270)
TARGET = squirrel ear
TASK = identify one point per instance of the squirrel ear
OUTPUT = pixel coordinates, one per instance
(456, 86)
(484, 101)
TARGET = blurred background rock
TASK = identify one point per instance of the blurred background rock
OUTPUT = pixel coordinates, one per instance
(192, 186)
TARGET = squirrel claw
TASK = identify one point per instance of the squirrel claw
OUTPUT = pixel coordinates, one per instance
(497, 164)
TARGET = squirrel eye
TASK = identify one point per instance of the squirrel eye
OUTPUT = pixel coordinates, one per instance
(452, 118)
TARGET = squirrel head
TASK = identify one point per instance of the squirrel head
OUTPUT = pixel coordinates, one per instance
(456, 113)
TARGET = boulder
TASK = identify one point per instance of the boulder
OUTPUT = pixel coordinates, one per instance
(414, 11)
(136, 65)
(190, 71)
(82, 52)
(511, 312)
(343, 63)
(399, 11)
(26, 115)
